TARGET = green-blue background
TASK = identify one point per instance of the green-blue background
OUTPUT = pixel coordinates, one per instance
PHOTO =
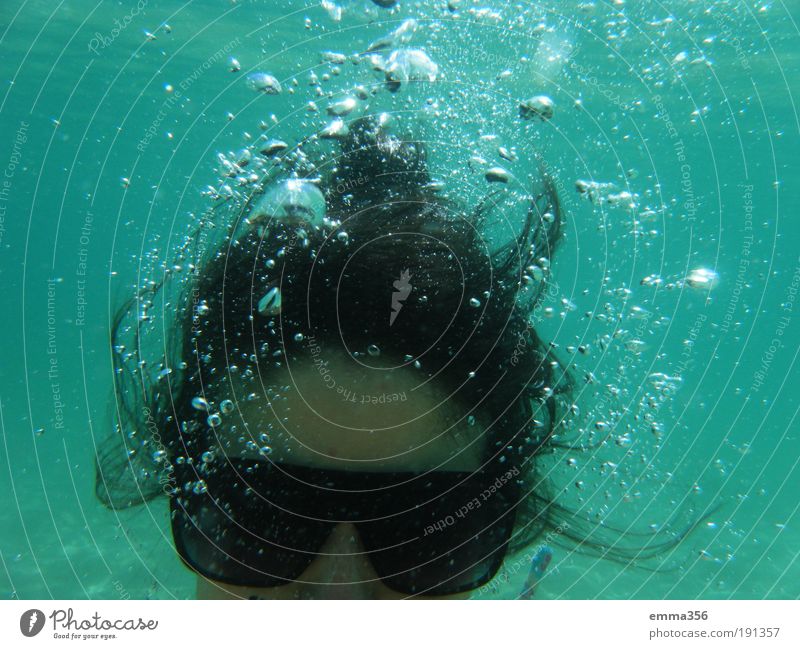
(724, 73)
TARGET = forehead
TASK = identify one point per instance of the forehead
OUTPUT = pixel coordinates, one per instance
(345, 415)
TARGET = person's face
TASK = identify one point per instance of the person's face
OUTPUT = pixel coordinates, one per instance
(341, 423)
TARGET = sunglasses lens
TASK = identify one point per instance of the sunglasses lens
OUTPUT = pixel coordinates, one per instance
(229, 532)
(434, 550)
(251, 524)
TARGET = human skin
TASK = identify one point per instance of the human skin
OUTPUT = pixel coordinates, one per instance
(322, 429)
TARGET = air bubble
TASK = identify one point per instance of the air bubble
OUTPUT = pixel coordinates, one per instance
(497, 175)
(199, 403)
(263, 82)
(540, 106)
(702, 278)
(291, 201)
(409, 65)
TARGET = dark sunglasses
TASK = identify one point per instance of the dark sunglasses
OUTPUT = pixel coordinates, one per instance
(258, 524)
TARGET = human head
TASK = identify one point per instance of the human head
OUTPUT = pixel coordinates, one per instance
(398, 289)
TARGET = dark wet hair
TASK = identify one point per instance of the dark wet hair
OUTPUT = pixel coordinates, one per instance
(468, 323)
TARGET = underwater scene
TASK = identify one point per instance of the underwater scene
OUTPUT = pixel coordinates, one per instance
(367, 299)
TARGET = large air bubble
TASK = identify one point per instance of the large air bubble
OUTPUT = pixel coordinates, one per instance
(292, 201)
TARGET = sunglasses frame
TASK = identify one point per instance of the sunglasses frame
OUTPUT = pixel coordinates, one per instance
(179, 516)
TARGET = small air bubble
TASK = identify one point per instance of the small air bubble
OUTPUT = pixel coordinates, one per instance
(198, 403)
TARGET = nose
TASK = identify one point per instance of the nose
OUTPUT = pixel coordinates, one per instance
(342, 569)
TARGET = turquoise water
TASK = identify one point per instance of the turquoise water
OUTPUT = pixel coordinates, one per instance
(678, 275)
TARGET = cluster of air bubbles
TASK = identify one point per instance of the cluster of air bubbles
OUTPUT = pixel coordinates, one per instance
(664, 383)
(299, 203)
(214, 419)
(603, 193)
(369, 8)
(400, 36)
